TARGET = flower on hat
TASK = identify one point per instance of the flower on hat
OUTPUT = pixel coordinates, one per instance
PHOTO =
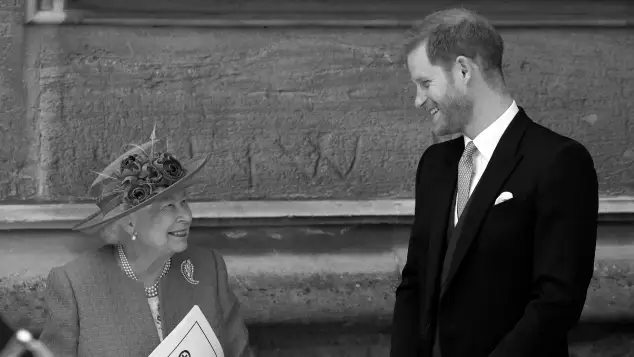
(136, 192)
(134, 179)
(168, 167)
(139, 177)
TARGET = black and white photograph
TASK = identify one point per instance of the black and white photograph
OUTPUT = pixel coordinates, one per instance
(316, 178)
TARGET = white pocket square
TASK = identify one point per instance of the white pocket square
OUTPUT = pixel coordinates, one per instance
(503, 197)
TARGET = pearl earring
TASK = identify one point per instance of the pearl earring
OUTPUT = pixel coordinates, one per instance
(134, 236)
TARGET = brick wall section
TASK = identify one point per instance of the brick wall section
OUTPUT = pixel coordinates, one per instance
(286, 114)
(17, 166)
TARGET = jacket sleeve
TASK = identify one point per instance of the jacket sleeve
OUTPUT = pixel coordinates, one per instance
(406, 318)
(61, 327)
(564, 246)
(234, 336)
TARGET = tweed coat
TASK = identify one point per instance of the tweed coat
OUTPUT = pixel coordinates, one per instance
(95, 310)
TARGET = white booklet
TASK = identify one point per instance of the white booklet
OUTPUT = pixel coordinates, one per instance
(192, 337)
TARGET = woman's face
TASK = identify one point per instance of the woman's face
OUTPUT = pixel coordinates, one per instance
(164, 225)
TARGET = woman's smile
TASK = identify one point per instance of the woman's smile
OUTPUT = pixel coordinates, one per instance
(180, 234)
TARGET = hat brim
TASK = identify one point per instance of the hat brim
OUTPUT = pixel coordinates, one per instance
(98, 220)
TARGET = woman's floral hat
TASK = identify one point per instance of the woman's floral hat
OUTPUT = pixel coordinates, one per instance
(136, 179)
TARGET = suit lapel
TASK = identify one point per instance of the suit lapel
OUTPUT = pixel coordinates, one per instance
(505, 159)
(441, 191)
(129, 308)
(176, 294)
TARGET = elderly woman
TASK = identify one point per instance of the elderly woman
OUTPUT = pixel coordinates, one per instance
(124, 298)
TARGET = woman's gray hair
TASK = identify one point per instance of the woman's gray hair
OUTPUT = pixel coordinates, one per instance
(113, 232)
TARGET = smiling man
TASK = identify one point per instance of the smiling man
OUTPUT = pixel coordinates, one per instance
(502, 247)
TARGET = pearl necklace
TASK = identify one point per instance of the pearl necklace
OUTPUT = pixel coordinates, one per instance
(150, 291)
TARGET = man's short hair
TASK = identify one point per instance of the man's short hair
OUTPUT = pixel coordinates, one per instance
(457, 32)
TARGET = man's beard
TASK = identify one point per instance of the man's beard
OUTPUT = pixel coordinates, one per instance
(456, 112)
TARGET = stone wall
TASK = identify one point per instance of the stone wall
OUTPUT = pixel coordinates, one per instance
(16, 133)
(286, 114)
(318, 290)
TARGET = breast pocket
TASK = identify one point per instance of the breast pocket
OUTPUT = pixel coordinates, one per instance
(507, 233)
(510, 218)
(510, 202)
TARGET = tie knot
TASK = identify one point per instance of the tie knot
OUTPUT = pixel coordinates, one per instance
(469, 150)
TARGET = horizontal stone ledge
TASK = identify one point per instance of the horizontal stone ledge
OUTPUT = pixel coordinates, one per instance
(304, 289)
(281, 251)
(329, 306)
(77, 18)
(250, 271)
(268, 213)
(315, 13)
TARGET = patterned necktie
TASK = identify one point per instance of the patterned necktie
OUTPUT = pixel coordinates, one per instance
(465, 175)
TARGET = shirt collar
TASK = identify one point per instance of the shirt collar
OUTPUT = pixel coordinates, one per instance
(488, 139)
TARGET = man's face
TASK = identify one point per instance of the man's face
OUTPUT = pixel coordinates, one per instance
(450, 109)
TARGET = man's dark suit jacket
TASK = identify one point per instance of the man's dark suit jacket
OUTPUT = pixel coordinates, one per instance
(520, 270)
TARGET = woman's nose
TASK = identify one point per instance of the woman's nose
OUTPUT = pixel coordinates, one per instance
(185, 212)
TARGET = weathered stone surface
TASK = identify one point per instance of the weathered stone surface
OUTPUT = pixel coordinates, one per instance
(370, 249)
(311, 307)
(299, 274)
(541, 10)
(17, 163)
(11, 5)
(323, 315)
(302, 113)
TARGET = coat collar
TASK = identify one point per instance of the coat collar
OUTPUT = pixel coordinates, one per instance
(124, 299)
(504, 160)
(128, 304)
(177, 296)
(442, 187)
(488, 139)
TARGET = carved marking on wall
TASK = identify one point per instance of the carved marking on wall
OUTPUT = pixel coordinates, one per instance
(251, 168)
(318, 149)
(327, 155)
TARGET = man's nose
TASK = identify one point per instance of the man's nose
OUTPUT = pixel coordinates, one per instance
(420, 100)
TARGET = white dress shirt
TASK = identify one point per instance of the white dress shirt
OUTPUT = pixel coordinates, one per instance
(486, 142)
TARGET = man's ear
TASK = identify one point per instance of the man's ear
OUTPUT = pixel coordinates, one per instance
(464, 68)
